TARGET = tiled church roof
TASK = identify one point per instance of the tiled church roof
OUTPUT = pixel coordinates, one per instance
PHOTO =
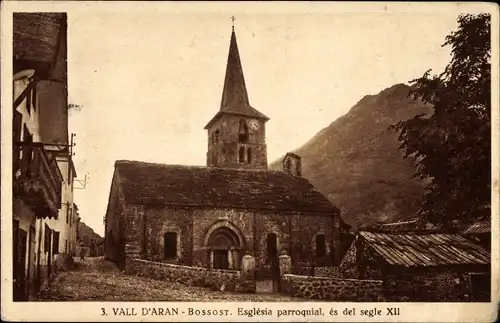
(176, 185)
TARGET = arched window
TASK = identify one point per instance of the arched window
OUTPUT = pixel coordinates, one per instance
(214, 159)
(243, 132)
(288, 164)
(170, 245)
(249, 155)
(217, 136)
(272, 248)
(241, 155)
(320, 245)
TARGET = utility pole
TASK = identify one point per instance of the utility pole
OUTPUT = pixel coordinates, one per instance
(71, 154)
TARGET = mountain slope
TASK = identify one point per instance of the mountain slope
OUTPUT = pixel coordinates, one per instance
(86, 234)
(355, 161)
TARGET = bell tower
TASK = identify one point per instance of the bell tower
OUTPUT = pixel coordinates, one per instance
(236, 134)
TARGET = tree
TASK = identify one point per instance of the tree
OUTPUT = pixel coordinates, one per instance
(451, 147)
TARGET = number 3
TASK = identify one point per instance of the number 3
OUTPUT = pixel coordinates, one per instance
(103, 311)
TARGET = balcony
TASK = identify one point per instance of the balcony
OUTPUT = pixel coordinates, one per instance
(37, 179)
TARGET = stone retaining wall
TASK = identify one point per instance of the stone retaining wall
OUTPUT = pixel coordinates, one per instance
(333, 288)
(229, 280)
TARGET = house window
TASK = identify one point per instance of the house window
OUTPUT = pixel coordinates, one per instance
(170, 245)
(241, 155)
(320, 245)
(33, 97)
(27, 150)
(243, 132)
(28, 100)
(249, 155)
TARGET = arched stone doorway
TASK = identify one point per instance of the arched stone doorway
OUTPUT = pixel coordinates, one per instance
(224, 246)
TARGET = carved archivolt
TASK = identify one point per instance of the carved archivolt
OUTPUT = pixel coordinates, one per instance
(224, 232)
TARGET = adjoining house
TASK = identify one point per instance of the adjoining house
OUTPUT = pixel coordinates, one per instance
(212, 216)
(42, 168)
(420, 266)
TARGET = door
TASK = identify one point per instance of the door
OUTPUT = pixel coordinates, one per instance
(31, 259)
(272, 254)
(19, 244)
(55, 243)
(23, 244)
(16, 255)
(48, 248)
(221, 260)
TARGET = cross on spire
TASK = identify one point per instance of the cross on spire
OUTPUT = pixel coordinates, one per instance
(233, 19)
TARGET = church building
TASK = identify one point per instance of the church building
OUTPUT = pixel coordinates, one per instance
(213, 215)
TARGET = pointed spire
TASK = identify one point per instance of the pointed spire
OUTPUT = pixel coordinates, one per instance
(234, 95)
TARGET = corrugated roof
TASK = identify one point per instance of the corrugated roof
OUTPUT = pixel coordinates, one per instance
(425, 250)
(402, 226)
(178, 185)
(478, 228)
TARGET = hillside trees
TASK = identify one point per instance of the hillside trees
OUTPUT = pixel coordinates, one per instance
(452, 146)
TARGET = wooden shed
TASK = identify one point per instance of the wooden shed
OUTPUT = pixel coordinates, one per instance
(422, 266)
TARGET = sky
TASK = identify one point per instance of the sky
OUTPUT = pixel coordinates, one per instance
(148, 82)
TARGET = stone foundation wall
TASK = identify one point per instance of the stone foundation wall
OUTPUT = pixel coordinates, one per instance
(327, 272)
(440, 286)
(333, 289)
(303, 268)
(229, 280)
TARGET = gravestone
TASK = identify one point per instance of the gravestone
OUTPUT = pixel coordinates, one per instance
(248, 274)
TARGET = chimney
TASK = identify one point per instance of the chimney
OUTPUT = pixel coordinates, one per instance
(292, 164)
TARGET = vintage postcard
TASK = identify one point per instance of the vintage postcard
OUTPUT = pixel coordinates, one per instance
(250, 161)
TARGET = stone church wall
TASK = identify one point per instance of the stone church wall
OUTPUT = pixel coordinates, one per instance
(296, 234)
(305, 228)
(144, 228)
(157, 222)
(265, 224)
